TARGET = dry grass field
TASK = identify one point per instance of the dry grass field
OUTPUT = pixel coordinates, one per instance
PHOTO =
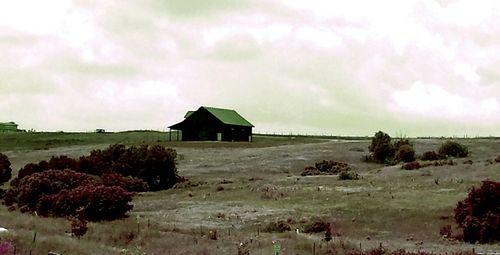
(235, 190)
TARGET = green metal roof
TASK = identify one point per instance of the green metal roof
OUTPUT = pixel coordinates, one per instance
(229, 117)
(188, 114)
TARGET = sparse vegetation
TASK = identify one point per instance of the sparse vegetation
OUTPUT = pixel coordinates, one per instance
(348, 175)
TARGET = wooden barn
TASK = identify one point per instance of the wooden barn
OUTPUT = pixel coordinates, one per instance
(213, 124)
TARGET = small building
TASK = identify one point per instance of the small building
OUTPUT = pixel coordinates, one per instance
(8, 127)
(213, 124)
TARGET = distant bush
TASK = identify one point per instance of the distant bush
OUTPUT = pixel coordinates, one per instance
(411, 165)
(5, 170)
(430, 155)
(379, 138)
(279, 226)
(497, 159)
(405, 153)
(479, 213)
(453, 149)
(326, 167)
(316, 226)
(384, 153)
(401, 142)
(348, 175)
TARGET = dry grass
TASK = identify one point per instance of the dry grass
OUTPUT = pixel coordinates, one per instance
(262, 183)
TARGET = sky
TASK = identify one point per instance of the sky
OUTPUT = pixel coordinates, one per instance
(407, 67)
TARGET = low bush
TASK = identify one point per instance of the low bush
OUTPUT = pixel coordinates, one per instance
(497, 159)
(279, 226)
(401, 142)
(405, 153)
(62, 193)
(384, 152)
(5, 170)
(89, 202)
(128, 183)
(326, 167)
(479, 213)
(411, 165)
(332, 166)
(348, 175)
(154, 165)
(430, 155)
(27, 192)
(453, 149)
(316, 226)
(379, 138)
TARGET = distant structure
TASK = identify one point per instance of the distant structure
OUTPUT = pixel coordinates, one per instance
(8, 127)
(213, 124)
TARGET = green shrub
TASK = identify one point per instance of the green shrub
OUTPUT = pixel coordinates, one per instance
(479, 213)
(401, 142)
(453, 149)
(405, 153)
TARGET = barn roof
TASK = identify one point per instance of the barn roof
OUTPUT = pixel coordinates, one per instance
(229, 117)
(226, 116)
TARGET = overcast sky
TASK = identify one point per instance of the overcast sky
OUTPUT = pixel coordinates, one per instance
(410, 68)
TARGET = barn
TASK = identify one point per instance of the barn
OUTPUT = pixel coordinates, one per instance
(8, 127)
(213, 124)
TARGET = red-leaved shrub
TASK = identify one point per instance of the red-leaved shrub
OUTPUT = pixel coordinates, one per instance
(479, 214)
(87, 201)
(26, 192)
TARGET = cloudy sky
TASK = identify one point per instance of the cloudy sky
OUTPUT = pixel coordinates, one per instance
(408, 67)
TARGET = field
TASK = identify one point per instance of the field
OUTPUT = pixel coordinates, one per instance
(236, 190)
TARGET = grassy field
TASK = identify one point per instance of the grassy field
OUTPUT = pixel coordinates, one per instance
(235, 190)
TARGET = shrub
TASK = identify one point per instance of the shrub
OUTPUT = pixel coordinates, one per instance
(128, 183)
(316, 226)
(379, 138)
(383, 152)
(453, 149)
(279, 226)
(430, 155)
(401, 142)
(349, 175)
(78, 227)
(326, 167)
(154, 165)
(497, 159)
(90, 202)
(5, 170)
(411, 165)
(479, 213)
(405, 153)
(26, 192)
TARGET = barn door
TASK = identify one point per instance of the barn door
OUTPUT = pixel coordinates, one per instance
(219, 137)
